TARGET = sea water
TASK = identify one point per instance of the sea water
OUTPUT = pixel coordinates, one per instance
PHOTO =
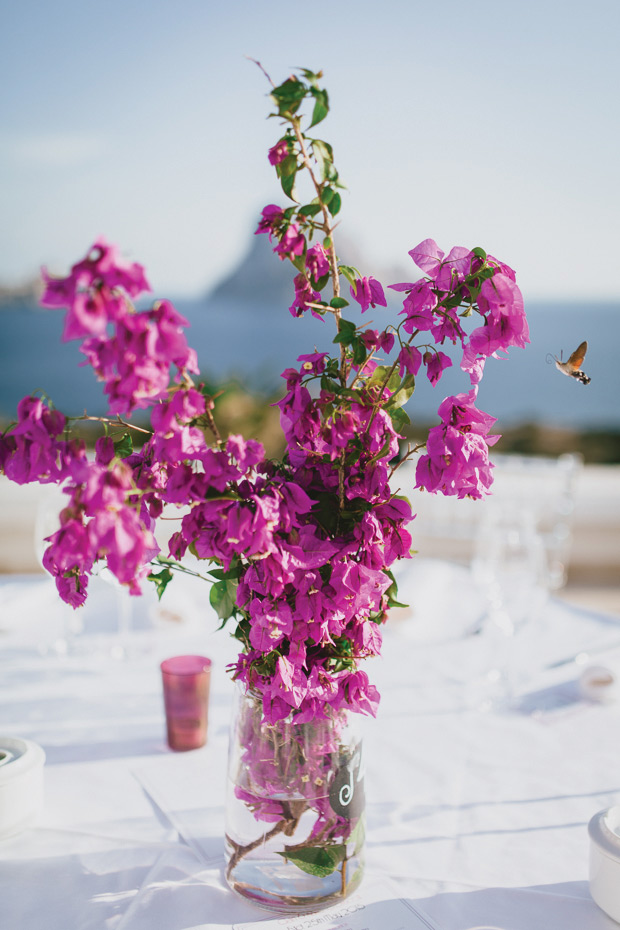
(254, 343)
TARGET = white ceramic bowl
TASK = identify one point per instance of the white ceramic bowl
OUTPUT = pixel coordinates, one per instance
(604, 830)
(21, 784)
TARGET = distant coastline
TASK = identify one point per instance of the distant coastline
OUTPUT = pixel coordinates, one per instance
(27, 292)
(244, 332)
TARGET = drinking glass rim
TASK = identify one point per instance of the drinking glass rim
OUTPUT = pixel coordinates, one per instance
(186, 665)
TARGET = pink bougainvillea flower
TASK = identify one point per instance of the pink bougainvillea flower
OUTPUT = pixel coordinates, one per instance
(135, 362)
(454, 267)
(304, 295)
(370, 338)
(125, 542)
(313, 363)
(278, 152)
(32, 451)
(68, 559)
(436, 363)
(104, 266)
(456, 460)
(270, 221)
(291, 244)
(317, 262)
(502, 303)
(368, 292)
(409, 360)
(93, 291)
(461, 412)
(446, 325)
(167, 340)
(356, 692)
(418, 305)
(386, 341)
(505, 324)
(472, 364)
(427, 256)
(502, 267)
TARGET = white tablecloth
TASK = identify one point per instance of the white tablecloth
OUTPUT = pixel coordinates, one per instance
(479, 818)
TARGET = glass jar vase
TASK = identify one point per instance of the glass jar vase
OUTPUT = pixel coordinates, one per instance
(295, 818)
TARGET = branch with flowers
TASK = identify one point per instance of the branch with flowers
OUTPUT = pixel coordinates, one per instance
(299, 550)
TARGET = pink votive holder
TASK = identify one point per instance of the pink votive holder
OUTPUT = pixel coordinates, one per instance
(186, 682)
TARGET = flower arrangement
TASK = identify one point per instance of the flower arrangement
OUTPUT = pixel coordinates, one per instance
(299, 550)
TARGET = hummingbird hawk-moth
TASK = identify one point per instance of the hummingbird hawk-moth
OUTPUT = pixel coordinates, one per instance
(572, 366)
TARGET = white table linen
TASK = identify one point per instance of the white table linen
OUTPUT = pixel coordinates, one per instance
(477, 818)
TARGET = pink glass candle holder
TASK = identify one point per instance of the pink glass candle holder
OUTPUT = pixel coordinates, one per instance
(186, 682)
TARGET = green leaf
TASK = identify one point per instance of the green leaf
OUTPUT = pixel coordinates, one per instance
(360, 352)
(325, 147)
(288, 96)
(328, 384)
(346, 332)
(321, 106)
(288, 186)
(338, 303)
(381, 372)
(400, 419)
(310, 209)
(334, 204)
(479, 253)
(350, 273)
(324, 156)
(400, 398)
(330, 172)
(327, 194)
(161, 580)
(320, 284)
(404, 392)
(123, 446)
(287, 172)
(316, 860)
(392, 592)
(311, 76)
(221, 575)
(287, 166)
(222, 597)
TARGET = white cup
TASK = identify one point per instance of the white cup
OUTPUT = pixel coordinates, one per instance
(21, 784)
(604, 830)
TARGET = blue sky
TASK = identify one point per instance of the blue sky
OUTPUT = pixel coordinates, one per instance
(479, 123)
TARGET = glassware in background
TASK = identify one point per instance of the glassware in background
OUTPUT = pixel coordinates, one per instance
(545, 488)
(121, 646)
(186, 681)
(64, 623)
(447, 528)
(110, 630)
(510, 569)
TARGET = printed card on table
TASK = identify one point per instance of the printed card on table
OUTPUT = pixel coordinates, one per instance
(374, 909)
